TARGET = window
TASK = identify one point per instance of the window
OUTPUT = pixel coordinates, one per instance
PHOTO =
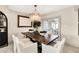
(52, 24)
(45, 25)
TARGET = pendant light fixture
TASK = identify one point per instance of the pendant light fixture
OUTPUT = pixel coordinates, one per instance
(35, 15)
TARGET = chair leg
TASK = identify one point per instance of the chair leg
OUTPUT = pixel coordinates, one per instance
(15, 50)
(18, 49)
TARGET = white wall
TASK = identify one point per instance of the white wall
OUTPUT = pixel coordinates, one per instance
(69, 24)
(12, 22)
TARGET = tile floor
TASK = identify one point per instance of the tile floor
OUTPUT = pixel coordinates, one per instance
(70, 49)
(67, 49)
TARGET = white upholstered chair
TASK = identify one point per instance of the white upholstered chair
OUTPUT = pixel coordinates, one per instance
(58, 48)
(23, 45)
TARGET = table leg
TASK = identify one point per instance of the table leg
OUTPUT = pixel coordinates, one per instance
(39, 47)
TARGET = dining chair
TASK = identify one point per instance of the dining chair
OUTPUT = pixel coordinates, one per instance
(57, 48)
(23, 44)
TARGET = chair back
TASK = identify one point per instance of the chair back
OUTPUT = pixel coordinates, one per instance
(16, 43)
(61, 45)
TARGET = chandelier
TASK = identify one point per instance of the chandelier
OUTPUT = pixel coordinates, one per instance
(35, 16)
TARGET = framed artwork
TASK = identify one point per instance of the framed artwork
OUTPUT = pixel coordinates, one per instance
(24, 21)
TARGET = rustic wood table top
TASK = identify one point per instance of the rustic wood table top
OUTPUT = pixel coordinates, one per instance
(38, 38)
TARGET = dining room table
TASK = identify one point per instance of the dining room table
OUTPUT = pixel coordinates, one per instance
(40, 39)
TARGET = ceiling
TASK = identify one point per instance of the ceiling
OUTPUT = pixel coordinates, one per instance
(42, 9)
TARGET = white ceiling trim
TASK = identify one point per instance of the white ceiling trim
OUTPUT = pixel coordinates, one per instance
(42, 9)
